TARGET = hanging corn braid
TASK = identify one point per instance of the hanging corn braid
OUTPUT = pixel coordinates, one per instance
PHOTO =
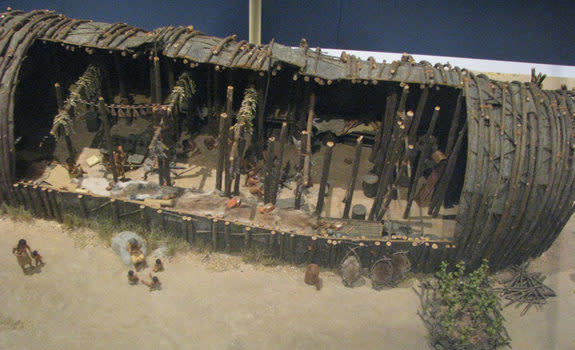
(87, 88)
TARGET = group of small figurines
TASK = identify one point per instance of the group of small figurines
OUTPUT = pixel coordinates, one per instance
(154, 283)
(29, 260)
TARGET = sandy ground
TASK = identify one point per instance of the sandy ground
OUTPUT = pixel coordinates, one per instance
(81, 300)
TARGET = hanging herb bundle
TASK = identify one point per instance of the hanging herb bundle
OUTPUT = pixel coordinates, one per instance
(247, 111)
(87, 88)
(182, 92)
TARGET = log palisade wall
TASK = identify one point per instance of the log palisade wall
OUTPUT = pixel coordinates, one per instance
(518, 190)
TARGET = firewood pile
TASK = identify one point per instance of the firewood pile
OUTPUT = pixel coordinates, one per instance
(526, 289)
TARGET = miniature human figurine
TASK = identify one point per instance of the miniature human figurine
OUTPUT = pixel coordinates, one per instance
(138, 258)
(133, 278)
(154, 284)
(119, 160)
(74, 170)
(37, 258)
(22, 252)
(158, 266)
(252, 183)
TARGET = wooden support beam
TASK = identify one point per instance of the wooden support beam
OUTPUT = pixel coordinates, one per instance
(222, 142)
(228, 158)
(324, 178)
(299, 186)
(269, 180)
(157, 81)
(307, 163)
(354, 172)
(59, 96)
(103, 112)
(424, 154)
(282, 142)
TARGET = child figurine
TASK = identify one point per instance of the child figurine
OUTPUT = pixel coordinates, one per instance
(158, 266)
(154, 284)
(132, 278)
(37, 258)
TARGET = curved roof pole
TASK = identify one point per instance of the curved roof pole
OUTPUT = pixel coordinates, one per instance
(255, 21)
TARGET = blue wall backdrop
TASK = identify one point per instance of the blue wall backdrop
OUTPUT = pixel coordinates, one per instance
(529, 31)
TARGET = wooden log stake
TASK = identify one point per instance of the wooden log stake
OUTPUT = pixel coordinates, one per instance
(186, 228)
(307, 163)
(228, 177)
(324, 178)
(103, 112)
(115, 210)
(439, 194)
(52, 196)
(424, 154)
(300, 185)
(222, 142)
(388, 126)
(282, 143)
(282, 245)
(269, 180)
(214, 235)
(145, 216)
(59, 96)
(227, 238)
(454, 124)
(247, 237)
(83, 209)
(354, 172)
(418, 114)
(47, 204)
(37, 192)
(157, 81)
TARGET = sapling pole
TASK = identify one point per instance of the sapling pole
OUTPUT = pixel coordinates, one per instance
(354, 172)
(299, 188)
(103, 112)
(157, 81)
(222, 141)
(282, 142)
(59, 96)
(324, 178)
(269, 180)
(307, 163)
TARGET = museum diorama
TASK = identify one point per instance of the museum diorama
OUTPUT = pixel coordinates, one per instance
(310, 156)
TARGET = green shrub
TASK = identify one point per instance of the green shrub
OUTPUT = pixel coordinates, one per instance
(462, 311)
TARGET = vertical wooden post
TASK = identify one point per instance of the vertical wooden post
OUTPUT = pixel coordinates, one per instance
(157, 81)
(227, 237)
(277, 182)
(185, 228)
(121, 77)
(193, 230)
(282, 245)
(324, 177)
(300, 183)
(354, 172)
(49, 209)
(292, 248)
(248, 237)
(214, 235)
(103, 112)
(268, 184)
(270, 240)
(83, 209)
(307, 163)
(228, 179)
(57, 212)
(237, 166)
(36, 196)
(228, 160)
(59, 96)
(162, 220)
(115, 210)
(222, 143)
